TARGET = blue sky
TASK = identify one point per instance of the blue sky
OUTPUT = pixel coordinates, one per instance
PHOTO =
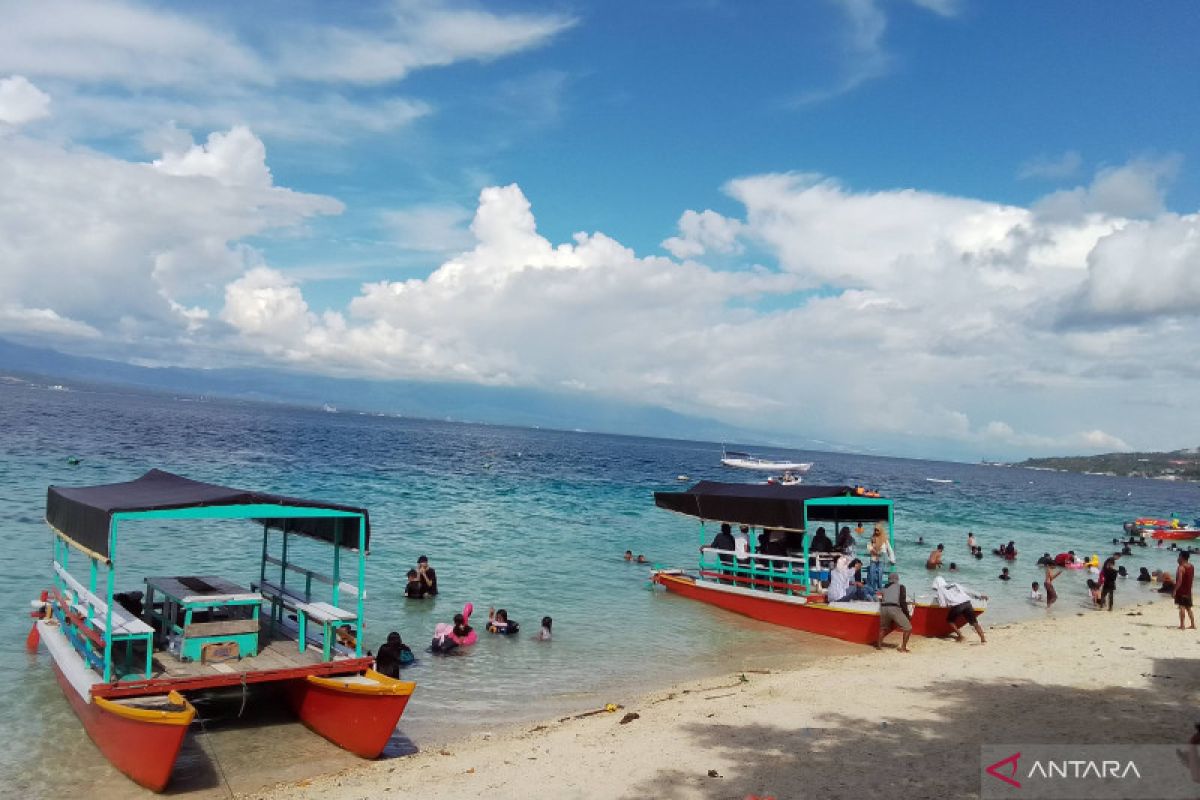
(982, 217)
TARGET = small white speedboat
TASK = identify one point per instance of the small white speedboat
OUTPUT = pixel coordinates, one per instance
(737, 460)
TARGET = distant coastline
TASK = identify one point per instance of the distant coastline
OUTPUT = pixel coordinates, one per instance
(1177, 465)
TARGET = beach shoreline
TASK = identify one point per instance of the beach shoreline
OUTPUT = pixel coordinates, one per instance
(837, 727)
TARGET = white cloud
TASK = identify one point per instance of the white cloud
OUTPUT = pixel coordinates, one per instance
(21, 101)
(1066, 165)
(115, 67)
(1134, 190)
(131, 249)
(704, 232)
(44, 322)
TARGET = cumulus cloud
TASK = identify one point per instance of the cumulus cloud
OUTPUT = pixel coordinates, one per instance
(21, 101)
(704, 232)
(133, 249)
(1134, 190)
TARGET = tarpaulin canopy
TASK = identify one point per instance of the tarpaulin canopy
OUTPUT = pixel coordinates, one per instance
(770, 505)
(84, 514)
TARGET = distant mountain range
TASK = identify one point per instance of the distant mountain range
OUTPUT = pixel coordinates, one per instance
(1175, 465)
(453, 401)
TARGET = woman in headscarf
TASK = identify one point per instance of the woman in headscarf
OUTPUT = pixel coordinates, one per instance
(845, 542)
(878, 549)
(820, 542)
(959, 610)
(839, 580)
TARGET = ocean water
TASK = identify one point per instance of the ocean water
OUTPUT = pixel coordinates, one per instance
(534, 521)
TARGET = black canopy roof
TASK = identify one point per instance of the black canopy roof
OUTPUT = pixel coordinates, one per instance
(84, 513)
(769, 505)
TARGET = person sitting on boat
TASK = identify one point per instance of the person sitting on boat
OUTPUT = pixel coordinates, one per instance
(498, 622)
(415, 589)
(741, 546)
(428, 576)
(722, 541)
(820, 542)
(878, 549)
(935, 557)
(843, 586)
(845, 542)
(393, 654)
(957, 600)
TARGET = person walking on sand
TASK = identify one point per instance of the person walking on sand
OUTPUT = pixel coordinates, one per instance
(959, 610)
(1183, 589)
(893, 612)
(1048, 581)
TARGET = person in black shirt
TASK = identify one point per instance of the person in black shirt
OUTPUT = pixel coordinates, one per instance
(428, 576)
(393, 654)
(1109, 587)
(416, 587)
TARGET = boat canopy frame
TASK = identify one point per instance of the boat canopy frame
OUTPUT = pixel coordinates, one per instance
(80, 510)
(778, 507)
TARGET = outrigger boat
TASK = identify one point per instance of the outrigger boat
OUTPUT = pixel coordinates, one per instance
(128, 668)
(1163, 529)
(786, 590)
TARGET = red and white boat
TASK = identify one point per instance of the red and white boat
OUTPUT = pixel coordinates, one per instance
(786, 589)
(128, 668)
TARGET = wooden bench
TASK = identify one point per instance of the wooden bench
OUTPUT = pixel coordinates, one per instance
(328, 615)
(126, 627)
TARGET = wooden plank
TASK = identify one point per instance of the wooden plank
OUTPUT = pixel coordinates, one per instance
(229, 627)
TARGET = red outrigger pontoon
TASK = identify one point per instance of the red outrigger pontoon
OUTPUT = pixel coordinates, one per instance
(128, 666)
(786, 590)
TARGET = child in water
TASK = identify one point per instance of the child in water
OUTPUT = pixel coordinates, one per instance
(1004, 576)
(1035, 593)
(544, 634)
(498, 622)
(415, 588)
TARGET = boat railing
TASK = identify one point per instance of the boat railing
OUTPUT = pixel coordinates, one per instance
(757, 570)
(312, 575)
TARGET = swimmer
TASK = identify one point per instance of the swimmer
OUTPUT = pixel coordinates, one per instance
(641, 559)
(1035, 594)
(629, 555)
(1004, 576)
(953, 567)
(935, 557)
(544, 634)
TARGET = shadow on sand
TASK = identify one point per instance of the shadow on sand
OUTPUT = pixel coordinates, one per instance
(845, 756)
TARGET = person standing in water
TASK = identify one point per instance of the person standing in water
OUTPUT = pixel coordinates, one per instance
(1109, 576)
(1048, 580)
(1183, 589)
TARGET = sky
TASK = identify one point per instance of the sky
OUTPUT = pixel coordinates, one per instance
(927, 225)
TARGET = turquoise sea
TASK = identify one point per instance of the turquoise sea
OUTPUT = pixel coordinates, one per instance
(534, 521)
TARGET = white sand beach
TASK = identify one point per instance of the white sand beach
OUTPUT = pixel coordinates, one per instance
(848, 726)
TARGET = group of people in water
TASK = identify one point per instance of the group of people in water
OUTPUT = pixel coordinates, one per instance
(422, 584)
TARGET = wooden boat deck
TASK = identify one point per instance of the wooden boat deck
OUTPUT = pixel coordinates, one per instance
(278, 659)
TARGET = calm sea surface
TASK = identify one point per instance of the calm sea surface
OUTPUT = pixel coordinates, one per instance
(531, 520)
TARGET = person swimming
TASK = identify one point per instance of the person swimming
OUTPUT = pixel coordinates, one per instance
(544, 634)
(447, 637)
(498, 622)
(393, 654)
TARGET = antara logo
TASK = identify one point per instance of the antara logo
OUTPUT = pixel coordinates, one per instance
(1006, 769)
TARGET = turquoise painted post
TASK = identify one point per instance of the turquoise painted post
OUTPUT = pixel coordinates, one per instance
(806, 537)
(337, 559)
(111, 581)
(703, 542)
(362, 581)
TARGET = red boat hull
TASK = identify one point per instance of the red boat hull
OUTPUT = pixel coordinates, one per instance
(143, 748)
(858, 626)
(1174, 534)
(357, 713)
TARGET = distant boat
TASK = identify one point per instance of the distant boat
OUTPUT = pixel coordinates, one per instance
(731, 458)
(939, 480)
(329, 409)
